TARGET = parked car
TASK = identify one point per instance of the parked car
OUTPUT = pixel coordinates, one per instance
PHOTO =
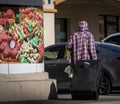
(113, 39)
(55, 63)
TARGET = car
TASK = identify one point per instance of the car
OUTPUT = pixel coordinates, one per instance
(56, 62)
(113, 39)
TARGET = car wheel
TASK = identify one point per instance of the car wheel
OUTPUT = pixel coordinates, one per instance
(105, 86)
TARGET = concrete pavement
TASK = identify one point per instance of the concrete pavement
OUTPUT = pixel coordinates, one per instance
(111, 99)
(29, 86)
(51, 102)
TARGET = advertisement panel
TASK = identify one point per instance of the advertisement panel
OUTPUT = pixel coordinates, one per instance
(21, 34)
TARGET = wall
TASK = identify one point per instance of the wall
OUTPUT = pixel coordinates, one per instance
(49, 23)
(49, 32)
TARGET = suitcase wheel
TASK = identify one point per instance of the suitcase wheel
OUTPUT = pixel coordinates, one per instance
(84, 96)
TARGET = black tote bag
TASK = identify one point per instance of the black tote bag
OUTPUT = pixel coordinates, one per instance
(86, 77)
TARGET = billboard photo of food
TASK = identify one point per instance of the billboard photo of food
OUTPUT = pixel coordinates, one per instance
(21, 34)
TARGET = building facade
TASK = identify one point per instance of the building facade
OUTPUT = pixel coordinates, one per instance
(62, 16)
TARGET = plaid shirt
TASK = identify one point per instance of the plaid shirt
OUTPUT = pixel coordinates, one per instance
(82, 46)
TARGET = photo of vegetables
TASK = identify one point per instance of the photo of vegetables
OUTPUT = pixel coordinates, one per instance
(21, 35)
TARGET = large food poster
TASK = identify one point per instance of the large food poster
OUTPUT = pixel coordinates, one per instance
(21, 34)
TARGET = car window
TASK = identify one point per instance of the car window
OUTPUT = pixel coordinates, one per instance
(113, 40)
(107, 51)
(56, 52)
(51, 53)
(61, 52)
(65, 55)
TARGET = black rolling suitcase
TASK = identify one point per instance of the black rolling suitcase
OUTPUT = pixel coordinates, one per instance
(85, 83)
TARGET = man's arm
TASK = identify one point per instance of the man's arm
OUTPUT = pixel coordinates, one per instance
(92, 48)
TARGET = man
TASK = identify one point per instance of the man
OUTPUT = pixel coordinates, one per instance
(81, 44)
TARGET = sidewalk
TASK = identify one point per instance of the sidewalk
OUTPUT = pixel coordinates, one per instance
(52, 102)
(111, 99)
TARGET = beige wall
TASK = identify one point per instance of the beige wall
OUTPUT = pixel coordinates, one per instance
(84, 12)
(49, 29)
(49, 24)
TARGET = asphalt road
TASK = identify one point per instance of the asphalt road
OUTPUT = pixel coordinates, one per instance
(66, 99)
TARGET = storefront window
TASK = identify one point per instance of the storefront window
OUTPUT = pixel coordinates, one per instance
(101, 28)
(111, 24)
(60, 30)
(108, 24)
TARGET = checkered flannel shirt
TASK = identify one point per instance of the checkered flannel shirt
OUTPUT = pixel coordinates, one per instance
(82, 47)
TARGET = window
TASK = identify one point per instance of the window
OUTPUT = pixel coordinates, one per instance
(108, 24)
(56, 52)
(48, 1)
(51, 53)
(60, 30)
(113, 40)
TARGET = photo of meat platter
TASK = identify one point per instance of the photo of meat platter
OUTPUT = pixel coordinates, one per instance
(21, 34)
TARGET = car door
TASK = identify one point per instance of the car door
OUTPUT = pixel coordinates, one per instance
(55, 65)
(51, 58)
(113, 64)
(62, 64)
(63, 79)
(111, 61)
